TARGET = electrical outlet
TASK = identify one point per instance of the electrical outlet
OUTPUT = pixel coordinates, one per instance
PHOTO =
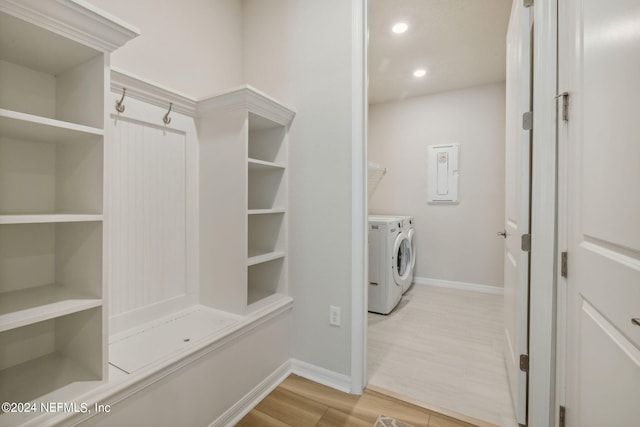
(334, 315)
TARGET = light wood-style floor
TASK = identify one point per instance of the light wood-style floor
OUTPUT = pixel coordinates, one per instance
(443, 347)
(298, 402)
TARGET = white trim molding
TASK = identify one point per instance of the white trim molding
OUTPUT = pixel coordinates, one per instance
(74, 19)
(151, 93)
(542, 300)
(250, 400)
(359, 258)
(321, 375)
(249, 98)
(475, 287)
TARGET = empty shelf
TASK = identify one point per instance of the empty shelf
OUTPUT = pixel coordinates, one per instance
(257, 257)
(36, 128)
(265, 211)
(255, 164)
(48, 218)
(39, 377)
(28, 306)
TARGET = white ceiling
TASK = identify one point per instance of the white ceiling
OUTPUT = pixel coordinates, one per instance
(461, 43)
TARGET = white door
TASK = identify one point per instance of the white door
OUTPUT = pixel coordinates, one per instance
(517, 194)
(600, 69)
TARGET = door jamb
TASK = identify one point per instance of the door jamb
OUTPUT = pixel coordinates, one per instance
(359, 208)
(542, 326)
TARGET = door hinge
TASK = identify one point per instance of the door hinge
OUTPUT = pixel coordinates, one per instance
(524, 362)
(525, 242)
(527, 3)
(527, 120)
(565, 105)
(561, 416)
(563, 264)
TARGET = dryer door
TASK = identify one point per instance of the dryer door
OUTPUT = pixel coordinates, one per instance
(402, 259)
(412, 240)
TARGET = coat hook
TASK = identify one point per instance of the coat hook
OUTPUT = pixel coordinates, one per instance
(166, 119)
(119, 104)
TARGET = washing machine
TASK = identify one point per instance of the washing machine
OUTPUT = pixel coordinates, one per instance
(389, 263)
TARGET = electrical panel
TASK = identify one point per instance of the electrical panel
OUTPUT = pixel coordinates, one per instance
(442, 173)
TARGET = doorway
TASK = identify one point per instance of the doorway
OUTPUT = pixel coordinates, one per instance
(450, 99)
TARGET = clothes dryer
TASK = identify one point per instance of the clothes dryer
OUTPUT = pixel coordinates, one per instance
(407, 228)
(389, 262)
(408, 256)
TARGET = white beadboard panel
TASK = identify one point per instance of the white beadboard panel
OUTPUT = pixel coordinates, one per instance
(147, 215)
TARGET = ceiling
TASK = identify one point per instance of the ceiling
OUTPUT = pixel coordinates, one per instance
(460, 43)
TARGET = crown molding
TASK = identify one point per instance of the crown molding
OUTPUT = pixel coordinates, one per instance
(74, 19)
(152, 93)
(249, 98)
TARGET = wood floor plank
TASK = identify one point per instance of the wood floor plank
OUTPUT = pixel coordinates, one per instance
(366, 407)
(256, 418)
(291, 408)
(298, 402)
(372, 406)
(436, 421)
(335, 418)
(443, 414)
(318, 392)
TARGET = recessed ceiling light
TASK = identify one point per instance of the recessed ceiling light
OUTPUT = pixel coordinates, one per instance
(400, 27)
(420, 72)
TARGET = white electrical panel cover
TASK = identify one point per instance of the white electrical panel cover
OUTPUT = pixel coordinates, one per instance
(442, 173)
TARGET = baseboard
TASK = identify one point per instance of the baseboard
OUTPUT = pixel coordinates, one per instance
(292, 366)
(321, 375)
(486, 289)
(242, 407)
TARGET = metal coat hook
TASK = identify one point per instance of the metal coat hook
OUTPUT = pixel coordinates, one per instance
(119, 104)
(166, 119)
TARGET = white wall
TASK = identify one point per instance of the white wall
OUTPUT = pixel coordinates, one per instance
(191, 46)
(300, 53)
(454, 242)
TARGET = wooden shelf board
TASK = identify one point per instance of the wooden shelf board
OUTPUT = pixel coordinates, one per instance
(266, 211)
(258, 257)
(54, 375)
(257, 165)
(28, 306)
(28, 127)
(49, 218)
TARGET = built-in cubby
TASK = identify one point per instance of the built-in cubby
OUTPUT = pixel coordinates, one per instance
(266, 141)
(244, 125)
(47, 75)
(266, 189)
(54, 74)
(48, 270)
(50, 177)
(266, 279)
(51, 355)
(265, 235)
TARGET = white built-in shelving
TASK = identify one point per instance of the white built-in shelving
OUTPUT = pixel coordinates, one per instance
(244, 126)
(53, 80)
